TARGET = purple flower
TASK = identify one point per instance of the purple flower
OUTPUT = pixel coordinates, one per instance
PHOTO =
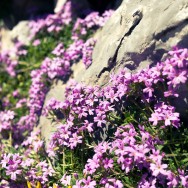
(13, 172)
(155, 118)
(6, 118)
(75, 140)
(108, 163)
(88, 183)
(87, 51)
(158, 168)
(165, 113)
(92, 164)
(66, 180)
(100, 119)
(36, 42)
(59, 50)
(5, 160)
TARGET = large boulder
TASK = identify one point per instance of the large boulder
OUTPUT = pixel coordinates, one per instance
(21, 31)
(139, 34)
(59, 4)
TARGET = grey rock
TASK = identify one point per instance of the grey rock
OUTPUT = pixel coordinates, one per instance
(56, 92)
(59, 4)
(21, 31)
(138, 34)
(6, 42)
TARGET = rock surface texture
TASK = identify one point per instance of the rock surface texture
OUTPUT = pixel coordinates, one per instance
(139, 34)
(21, 31)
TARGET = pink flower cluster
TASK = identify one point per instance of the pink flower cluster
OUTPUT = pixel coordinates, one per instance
(166, 114)
(16, 166)
(59, 50)
(173, 69)
(8, 60)
(55, 67)
(24, 166)
(39, 172)
(59, 66)
(88, 108)
(12, 164)
(92, 21)
(88, 111)
(87, 52)
(98, 102)
(6, 118)
(7, 63)
(129, 150)
(52, 22)
(33, 142)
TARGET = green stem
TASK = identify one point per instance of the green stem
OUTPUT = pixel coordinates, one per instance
(173, 155)
(64, 161)
(72, 161)
(82, 151)
(10, 138)
(50, 163)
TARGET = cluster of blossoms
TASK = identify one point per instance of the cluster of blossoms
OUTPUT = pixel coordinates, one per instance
(8, 60)
(132, 151)
(92, 21)
(19, 166)
(7, 63)
(27, 167)
(12, 164)
(88, 114)
(52, 22)
(33, 141)
(86, 109)
(87, 52)
(55, 22)
(83, 102)
(6, 118)
(58, 66)
(165, 113)
(39, 172)
(174, 70)
(55, 67)
(16, 167)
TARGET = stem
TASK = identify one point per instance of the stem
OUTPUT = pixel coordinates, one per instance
(173, 155)
(28, 68)
(10, 138)
(63, 161)
(22, 63)
(150, 108)
(72, 160)
(82, 152)
(50, 163)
